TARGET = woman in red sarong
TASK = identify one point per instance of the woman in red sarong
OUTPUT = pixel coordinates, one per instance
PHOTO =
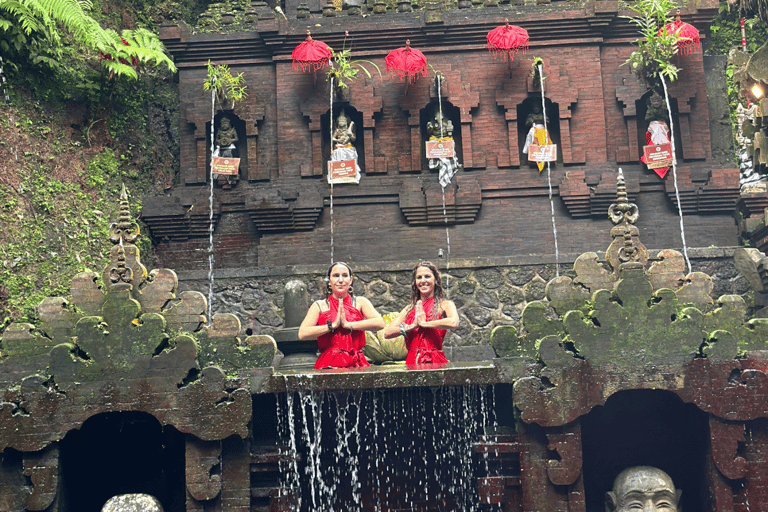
(339, 322)
(424, 321)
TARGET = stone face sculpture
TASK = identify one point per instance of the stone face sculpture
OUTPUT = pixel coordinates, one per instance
(642, 488)
(132, 503)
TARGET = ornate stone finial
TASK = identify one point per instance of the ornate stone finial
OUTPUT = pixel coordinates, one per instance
(120, 276)
(125, 269)
(622, 211)
(625, 249)
(125, 230)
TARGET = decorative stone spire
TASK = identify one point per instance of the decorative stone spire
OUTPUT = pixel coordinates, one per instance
(125, 271)
(625, 250)
(120, 276)
(125, 230)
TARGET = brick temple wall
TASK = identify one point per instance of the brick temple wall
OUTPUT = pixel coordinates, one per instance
(498, 205)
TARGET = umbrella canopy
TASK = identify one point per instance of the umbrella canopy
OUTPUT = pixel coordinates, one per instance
(406, 62)
(311, 55)
(688, 36)
(507, 40)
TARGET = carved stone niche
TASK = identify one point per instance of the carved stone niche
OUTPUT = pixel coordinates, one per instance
(528, 112)
(643, 427)
(451, 114)
(120, 453)
(195, 157)
(355, 117)
(239, 151)
(631, 97)
(559, 90)
(644, 117)
(359, 98)
(455, 91)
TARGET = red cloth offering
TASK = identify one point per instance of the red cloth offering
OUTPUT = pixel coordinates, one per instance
(342, 348)
(425, 345)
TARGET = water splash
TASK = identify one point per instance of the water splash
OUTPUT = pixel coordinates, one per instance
(674, 172)
(391, 449)
(549, 174)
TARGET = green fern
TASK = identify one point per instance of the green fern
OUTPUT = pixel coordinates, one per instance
(50, 20)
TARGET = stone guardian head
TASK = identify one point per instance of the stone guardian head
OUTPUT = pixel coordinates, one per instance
(643, 489)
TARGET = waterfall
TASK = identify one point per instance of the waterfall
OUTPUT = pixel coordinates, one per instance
(384, 449)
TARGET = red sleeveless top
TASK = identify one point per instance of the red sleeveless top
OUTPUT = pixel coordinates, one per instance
(342, 348)
(425, 344)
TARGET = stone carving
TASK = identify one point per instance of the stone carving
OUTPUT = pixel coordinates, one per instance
(226, 139)
(42, 469)
(440, 128)
(725, 439)
(566, 442)
(642, 488)
(343, 140)
(112, 348)
(202, 457)
(379, 349)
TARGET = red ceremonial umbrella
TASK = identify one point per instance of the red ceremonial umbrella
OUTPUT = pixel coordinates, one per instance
(507, 40)
(688, 36)
(406, 62)
(311, 55)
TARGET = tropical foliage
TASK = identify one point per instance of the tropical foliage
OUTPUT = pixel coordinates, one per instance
(653, 57)
(43, 32)
(227, 86)
(344, 69)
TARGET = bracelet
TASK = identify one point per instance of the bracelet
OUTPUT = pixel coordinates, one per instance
(402, 329)
(330, 326)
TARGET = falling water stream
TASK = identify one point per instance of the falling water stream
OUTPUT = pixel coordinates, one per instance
(549, 174)
(445, 214)
(331, 181)
(210, 216)
(674, 172)
(384, 449)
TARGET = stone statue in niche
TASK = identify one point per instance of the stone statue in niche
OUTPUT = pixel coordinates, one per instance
(225, 141)
(658, 127)
(642, 488)
(441, 152)
(538, 135)
(342, 140)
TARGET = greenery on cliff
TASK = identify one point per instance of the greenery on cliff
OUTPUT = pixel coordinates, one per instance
(76, 122)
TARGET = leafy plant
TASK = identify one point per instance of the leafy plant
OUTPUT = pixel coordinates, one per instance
(344, 69)
(657, 45)
(42, 30)
(227, 87)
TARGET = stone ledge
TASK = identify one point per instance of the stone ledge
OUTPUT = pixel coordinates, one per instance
(566, 259)
(385, 376)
